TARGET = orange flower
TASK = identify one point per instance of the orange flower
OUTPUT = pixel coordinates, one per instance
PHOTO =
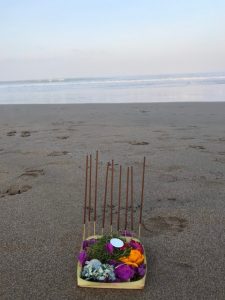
(134, 259)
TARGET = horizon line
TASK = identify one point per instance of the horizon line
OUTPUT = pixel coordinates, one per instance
(61, 79)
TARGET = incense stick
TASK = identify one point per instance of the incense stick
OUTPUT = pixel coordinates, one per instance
(96, 187)
(142, 198)
(105, 196)
(127, 195)
(85, 198)
(89, 204)
(129, 190)
(132, 199)
(119, 200)
(111, 198)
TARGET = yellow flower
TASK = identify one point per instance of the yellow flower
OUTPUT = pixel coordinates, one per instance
(134, 259)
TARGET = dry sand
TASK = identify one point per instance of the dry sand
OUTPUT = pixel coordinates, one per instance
(42, 151)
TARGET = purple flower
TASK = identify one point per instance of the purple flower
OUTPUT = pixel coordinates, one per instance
(91, 242)
(82, 257)
(124, 272)
(109, 248)
(85, 244)
(88, 243)
(136, 245)
(141, 270)
(114, 262)
(126, 233)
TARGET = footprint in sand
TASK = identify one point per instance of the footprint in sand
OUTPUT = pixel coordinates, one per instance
(144, 111)
(221, 153)
(64, 137)
(159, 130)
(25, 133)
(186, 138)
(222, 139)
(11, 133)
(172, 199)
(16, 189)
(160, 224)
(33, 172)
(58, 153)
(138, 143)
(197, 147)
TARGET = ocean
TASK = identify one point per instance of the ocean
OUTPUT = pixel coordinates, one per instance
(201, 87)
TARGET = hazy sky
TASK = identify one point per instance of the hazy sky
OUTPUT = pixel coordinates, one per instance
(69, 38)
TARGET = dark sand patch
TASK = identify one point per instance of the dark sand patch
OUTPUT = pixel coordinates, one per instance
(200, 147)
(159, 130)
(172, 199)
(64, 137)
(186, 138)
(11, 133)
(25, 133)
(144, 111)
(33, 172)
(221, 153)
(58, 153)
(16, 189)
(221, 139)
(138, 143)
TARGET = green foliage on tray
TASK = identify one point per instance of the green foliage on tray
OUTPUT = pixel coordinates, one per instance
(98, 250)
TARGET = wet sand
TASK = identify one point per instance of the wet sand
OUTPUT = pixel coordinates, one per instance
(42, 152)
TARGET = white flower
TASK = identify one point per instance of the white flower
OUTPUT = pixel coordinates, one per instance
(96, 271)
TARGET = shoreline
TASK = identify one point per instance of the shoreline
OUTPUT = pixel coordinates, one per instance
(114, 103)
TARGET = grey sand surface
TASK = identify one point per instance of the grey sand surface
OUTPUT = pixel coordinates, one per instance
(42, 153)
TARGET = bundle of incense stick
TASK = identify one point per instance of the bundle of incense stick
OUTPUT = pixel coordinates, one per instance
(110, 167)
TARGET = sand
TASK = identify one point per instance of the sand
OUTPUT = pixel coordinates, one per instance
(42, 152)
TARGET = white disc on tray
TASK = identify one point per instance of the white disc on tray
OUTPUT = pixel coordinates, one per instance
(117, 243)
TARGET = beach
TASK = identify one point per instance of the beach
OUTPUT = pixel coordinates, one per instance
(42, 166)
